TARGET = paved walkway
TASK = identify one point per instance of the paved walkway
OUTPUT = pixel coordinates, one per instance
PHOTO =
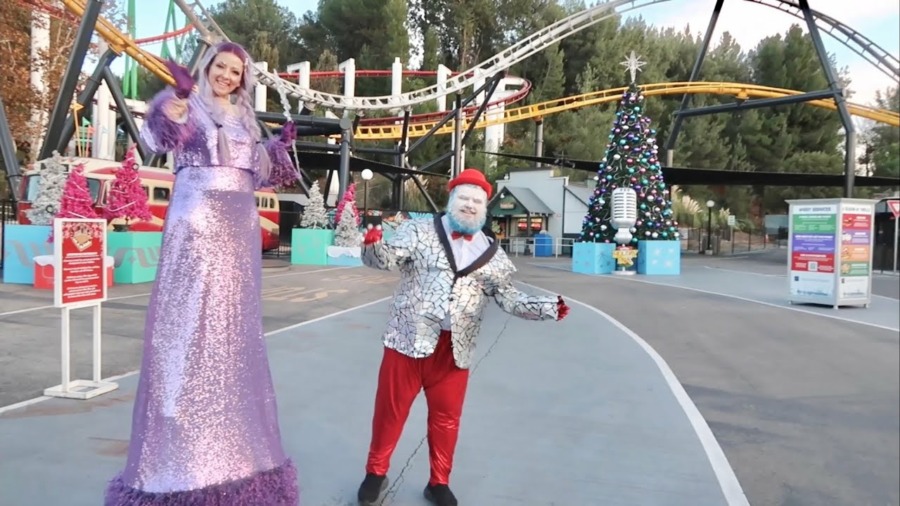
(581, 412)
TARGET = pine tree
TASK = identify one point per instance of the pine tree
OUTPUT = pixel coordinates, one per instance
(314, 215)
(127, 199)
(349, 196)
(346, 233)
(50, 190)
(77, 201)
(631, 161)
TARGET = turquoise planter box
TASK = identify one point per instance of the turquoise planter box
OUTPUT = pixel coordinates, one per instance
(593, 258)
(309, 246)
(659, 257)
(344, 257)
(136, 255)
(21, 243)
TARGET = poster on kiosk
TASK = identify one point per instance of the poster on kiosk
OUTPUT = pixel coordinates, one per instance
(830, 246)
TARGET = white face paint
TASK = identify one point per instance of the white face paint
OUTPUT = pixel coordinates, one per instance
(468, 208)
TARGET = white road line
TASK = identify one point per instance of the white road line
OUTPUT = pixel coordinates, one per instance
(874, 295)
(631, 279)
(36, 400)
(731, 487)
(745, 272)
(770, 304)
(147, 294)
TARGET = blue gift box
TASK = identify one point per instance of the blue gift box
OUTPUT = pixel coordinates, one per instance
(21, 243)
(659, 257)
(136, 255)
(309, 246)
(593, 258)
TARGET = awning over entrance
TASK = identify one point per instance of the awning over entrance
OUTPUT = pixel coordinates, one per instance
(518, 201)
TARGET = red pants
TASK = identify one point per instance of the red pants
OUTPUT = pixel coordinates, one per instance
(399, 382)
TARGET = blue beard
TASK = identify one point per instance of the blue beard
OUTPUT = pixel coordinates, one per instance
(456, 226)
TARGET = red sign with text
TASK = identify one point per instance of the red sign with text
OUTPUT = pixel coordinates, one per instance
(812, 262)
(80, 271)
(857, 222)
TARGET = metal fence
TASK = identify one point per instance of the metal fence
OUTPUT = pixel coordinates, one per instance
(7, 216)
(729, 241)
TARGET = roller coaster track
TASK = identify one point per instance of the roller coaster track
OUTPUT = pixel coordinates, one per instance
(535, 111)
(853, 40)
(519, 51)
(509, 99)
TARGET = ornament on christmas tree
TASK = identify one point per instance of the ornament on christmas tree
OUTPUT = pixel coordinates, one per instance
(631, 161)
(127, 200)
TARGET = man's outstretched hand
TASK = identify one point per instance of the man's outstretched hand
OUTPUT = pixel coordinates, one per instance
(373, 235)
(561, 308)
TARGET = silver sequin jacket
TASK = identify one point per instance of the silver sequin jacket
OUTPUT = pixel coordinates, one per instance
(431, 287)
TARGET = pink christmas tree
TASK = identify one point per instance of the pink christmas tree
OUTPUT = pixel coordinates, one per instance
(349, 196)
(77, 201)
(127, 199)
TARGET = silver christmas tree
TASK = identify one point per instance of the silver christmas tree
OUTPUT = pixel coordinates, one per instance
(314, 215)
(347, 233)
(50, 191)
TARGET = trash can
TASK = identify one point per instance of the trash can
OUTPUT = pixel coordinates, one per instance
(543, 245)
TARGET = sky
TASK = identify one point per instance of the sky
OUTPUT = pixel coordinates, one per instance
(748, 23)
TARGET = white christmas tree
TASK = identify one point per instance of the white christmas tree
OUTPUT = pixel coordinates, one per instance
(314, 215)
(347, 232)
(50, 191)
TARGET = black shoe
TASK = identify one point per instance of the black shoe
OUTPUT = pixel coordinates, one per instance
(371, 488)
(440, 495)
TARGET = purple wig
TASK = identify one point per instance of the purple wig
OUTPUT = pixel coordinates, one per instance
(242, 97)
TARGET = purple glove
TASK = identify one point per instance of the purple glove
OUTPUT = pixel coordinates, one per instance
(184, 83)
(289, 133)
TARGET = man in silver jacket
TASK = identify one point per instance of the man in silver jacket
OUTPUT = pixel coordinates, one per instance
(449, 268)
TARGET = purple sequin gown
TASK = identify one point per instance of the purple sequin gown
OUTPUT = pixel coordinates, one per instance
(205, 425)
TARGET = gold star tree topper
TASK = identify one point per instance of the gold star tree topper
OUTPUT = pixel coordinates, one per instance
(633, 63)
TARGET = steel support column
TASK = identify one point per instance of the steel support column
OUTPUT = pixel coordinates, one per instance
(492, 87)
(458, 139)
(344, 173)
(8, 150)
(846, 119)
(756, 104)
(85, 97)
(449, 116)
(70, 77)
(401, 160)
(434, 207)
(695, 73)
(127, 117)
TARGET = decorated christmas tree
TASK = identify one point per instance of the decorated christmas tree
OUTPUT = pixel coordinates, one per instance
(349, 196)
(50, 191)
(76, 200)
(127, 199)
(347, 233)
(631, 161)
(314, 215)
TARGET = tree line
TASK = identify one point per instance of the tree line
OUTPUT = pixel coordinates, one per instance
(461, 33)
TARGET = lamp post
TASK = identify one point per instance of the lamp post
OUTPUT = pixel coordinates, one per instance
(709, 204)
(366, 175)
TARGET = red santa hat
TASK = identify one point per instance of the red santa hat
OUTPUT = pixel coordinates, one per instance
(471, 176)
